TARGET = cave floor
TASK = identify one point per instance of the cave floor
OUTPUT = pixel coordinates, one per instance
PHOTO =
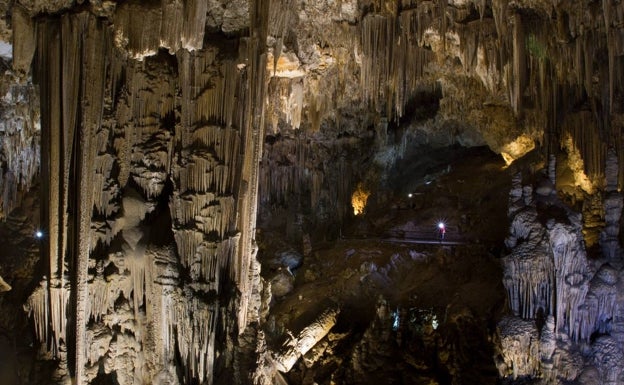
(392, 253)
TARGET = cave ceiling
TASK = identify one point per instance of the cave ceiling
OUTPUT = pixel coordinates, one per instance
(162, 135)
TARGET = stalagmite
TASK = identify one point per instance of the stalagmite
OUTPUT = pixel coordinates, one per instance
(572, 273)
(4, 286)
(520, 348)
(613, 203)
(529, 269)
(600, 303)
(295, 347)
(607, 356)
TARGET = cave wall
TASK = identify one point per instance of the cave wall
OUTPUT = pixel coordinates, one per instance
(150, 139)
(514, 76)
(164, 139)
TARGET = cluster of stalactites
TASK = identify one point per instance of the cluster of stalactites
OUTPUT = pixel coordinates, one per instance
(286, 102)
(209, 161)
(19, 118)
(47, 305)
(149, 124)
(171, 25)
(290, 168)
(19, 148)
(544, 61)
(557, 67)
(529, 269)
(548, 272)
(394, 58)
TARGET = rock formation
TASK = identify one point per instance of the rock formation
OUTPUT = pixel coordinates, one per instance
(136, 155)
(159, 133)
(566, 321)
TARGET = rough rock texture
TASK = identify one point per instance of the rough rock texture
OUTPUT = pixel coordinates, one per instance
(520, 348)
(149, 184)
(572, 299)
(168, 127)
(20, 130)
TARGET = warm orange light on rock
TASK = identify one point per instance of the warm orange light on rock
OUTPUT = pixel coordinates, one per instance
(575, 163)
(517, 149)
(359, 198)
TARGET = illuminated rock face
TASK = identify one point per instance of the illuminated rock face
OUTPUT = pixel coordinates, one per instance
(552, 284)
(149, 186)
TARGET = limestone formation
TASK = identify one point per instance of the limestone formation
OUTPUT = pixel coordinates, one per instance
(573, 298)
(118, 137)
(160, 133)
(520, 348)
(295, 347)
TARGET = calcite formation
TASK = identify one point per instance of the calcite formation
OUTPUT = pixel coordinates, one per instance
(553, 284)
(168, 127)
(295, 347)
(20, 130)
(135, 155)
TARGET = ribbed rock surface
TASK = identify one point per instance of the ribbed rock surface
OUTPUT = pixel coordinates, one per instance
(149, 180)
(553, 284)
(20, 131)
(154, 116)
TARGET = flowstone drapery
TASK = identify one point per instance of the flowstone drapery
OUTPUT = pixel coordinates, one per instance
(567, 322)
(137, 156)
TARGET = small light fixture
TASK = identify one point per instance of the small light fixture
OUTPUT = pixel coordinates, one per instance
(409, 195)
(441, 225)
(39, 234)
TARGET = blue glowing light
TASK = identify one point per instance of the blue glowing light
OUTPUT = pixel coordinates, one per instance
(395, 320)
(39, 234)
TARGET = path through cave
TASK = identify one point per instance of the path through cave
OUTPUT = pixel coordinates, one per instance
(410, 312)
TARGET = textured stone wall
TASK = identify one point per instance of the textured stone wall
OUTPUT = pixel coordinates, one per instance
(153, 154)
(151, 137)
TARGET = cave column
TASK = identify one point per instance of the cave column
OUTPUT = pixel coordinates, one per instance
(613, 204)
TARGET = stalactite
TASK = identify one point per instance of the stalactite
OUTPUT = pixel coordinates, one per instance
(517, 77)
(99, 299)
(582, 128)
(193, 24)
(529, 270)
